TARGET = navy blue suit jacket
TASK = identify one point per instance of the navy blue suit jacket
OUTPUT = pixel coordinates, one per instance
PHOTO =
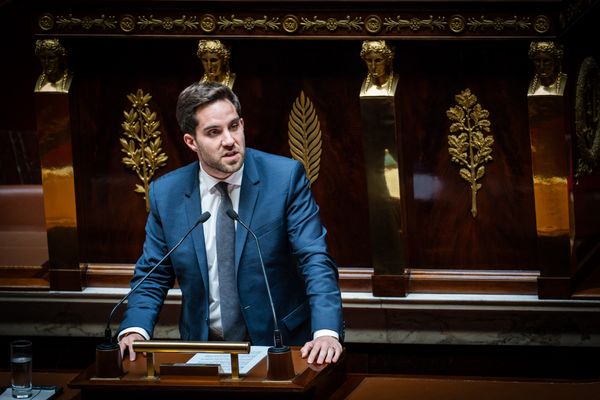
(277, 203)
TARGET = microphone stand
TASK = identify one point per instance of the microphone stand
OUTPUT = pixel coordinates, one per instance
(280, 366)
(108, 354)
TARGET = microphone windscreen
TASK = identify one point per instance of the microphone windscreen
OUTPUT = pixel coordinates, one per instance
(205, 216)
(232, 214)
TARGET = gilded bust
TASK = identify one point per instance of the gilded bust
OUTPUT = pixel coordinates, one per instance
(548, 78)
(55, 76)
(215, 60)
(380, 80)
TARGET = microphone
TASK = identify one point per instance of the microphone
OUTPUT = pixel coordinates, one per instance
(280, 366)
(109, 341)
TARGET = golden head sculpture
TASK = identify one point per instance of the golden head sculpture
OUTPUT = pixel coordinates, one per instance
(215, 56)
(379, 57)
(547, 59)
(55, 76)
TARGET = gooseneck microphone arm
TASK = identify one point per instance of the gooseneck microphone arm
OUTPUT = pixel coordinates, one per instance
(107, 332)
(277, 333)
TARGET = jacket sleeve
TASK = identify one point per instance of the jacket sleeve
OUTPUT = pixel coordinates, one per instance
(307, 237)
(145, 303)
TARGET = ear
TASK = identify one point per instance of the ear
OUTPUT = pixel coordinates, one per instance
(190, 142)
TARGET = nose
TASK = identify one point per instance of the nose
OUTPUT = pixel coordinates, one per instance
(227, 139)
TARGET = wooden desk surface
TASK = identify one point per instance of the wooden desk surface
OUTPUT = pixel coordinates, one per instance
(360, 387)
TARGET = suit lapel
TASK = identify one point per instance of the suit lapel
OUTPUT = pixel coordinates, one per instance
(193, 207)
(248, 196)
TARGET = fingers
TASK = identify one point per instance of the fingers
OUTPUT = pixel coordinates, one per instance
(304, 351)
(126, 344)
(132, 354)
(323, 350)
(122, 347)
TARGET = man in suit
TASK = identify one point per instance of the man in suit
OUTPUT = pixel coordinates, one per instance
(272, 196)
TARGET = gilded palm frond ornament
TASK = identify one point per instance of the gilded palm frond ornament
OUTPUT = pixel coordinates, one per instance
(141, 142)
(304, 136)
(468, 147)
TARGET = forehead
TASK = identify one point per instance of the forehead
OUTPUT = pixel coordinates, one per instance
(220, 111)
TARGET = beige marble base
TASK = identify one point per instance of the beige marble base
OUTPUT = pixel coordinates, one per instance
(415, 319)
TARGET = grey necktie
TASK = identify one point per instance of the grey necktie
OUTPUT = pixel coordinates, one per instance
(234, 328)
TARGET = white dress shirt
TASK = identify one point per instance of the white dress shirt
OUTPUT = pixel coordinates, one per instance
(211, 199)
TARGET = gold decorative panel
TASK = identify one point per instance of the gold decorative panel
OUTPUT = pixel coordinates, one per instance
(303, 23)
(470, 148)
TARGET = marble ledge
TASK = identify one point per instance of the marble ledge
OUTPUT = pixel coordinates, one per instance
(415, 319)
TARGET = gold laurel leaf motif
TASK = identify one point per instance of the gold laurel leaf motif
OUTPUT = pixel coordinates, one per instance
(304, 136)
(141, 142)
(470, 148)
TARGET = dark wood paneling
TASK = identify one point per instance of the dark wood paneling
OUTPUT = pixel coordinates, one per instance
(109, 70)
(442, 232)
(330, 73)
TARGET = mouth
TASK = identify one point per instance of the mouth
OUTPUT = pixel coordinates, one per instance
(230, 155)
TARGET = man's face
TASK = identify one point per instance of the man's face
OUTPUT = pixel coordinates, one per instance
(219, 139)
(213, 65)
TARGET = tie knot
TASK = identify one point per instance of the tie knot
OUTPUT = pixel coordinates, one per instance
(222, 188)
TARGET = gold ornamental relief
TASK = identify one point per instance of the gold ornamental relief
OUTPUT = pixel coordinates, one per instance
(333, 24)
(499, 23)
(415, 24)
(249, 23)
(469, 148)
(167, 23)
(105, 22)
(141, 142)
(304, 136)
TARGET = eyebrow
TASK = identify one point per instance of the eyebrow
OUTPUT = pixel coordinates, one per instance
(208, 128)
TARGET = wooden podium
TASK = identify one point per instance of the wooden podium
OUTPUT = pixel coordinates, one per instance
(309, 383)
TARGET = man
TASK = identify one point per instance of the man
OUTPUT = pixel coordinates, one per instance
(271, 194)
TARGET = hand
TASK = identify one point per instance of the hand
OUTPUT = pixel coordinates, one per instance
(324, 349)
(126, 343)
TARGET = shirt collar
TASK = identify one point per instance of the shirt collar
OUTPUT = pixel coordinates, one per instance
(209, 182)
